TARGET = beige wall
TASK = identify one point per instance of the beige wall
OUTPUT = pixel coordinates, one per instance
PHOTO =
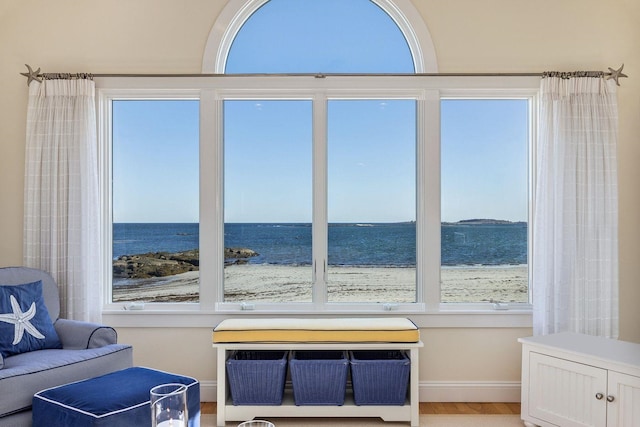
(145, 36)
(450, 355)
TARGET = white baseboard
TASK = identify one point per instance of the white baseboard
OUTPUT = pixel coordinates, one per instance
(469, 391)
(433, 391)
(208, 391)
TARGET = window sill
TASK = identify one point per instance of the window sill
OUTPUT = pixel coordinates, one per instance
(443, 318)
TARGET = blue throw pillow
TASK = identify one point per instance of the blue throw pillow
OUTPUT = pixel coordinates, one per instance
(25, 324)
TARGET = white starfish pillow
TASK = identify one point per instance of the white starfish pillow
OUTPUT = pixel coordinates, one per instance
(21, 321)
(25, 324)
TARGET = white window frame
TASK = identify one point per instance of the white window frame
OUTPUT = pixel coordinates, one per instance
(212, 91)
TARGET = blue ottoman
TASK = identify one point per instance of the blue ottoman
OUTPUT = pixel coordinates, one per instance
(120, 398)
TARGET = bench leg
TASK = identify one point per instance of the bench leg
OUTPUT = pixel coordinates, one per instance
(221, 386)
(414, 388)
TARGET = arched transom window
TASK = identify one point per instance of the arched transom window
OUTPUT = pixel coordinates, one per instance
(319, 36)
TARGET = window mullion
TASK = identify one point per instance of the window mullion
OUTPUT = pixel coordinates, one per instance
(211, 200)
(428, 222)
(320, 227)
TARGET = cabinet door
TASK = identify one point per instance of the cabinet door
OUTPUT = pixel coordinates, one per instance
(565, 393)
(623, 409)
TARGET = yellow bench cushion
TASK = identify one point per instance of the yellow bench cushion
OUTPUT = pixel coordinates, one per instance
(359, 329)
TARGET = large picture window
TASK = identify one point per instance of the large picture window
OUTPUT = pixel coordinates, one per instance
(485, 181)
(155, 200)
(278, 245)
(313, 193)
(371, 201)
(267, 201)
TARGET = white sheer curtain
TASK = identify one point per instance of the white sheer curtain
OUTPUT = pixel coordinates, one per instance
(61, 192)
(575, 222)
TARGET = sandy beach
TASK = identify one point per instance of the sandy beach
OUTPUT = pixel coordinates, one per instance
(276, 283)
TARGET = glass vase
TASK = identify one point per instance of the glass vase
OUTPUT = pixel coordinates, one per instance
(169, 406)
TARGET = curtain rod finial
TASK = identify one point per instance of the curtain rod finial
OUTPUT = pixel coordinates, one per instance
(32, 75)
(616, 74)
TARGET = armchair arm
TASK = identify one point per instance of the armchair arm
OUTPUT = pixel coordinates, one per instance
(75, 334)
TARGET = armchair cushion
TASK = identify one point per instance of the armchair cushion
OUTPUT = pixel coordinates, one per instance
(25, 324)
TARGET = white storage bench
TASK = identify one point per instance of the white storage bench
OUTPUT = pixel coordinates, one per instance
(316, 334)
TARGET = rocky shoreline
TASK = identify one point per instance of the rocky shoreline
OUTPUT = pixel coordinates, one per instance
(162, 264)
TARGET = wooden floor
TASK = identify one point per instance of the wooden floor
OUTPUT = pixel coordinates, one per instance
(465, 408)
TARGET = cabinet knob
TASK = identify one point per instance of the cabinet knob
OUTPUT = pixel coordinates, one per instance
(599, 396)
(610, 398)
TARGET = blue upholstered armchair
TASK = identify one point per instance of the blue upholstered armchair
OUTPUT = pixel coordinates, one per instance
(41, 350)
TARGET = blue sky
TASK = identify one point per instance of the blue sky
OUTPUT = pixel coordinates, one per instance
(155, 161)
(371, 145)
(484, 162)
(314, 36)
(268, 155)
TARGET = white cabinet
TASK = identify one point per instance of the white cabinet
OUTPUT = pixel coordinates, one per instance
(575, 380)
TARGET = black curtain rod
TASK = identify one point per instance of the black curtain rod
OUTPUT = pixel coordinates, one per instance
(611, 74)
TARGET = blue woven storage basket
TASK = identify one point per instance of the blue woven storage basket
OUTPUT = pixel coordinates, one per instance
(257, 377)
(319, 377)
(379, 377)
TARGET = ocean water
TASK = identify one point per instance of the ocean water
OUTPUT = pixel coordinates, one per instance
(378, 244)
